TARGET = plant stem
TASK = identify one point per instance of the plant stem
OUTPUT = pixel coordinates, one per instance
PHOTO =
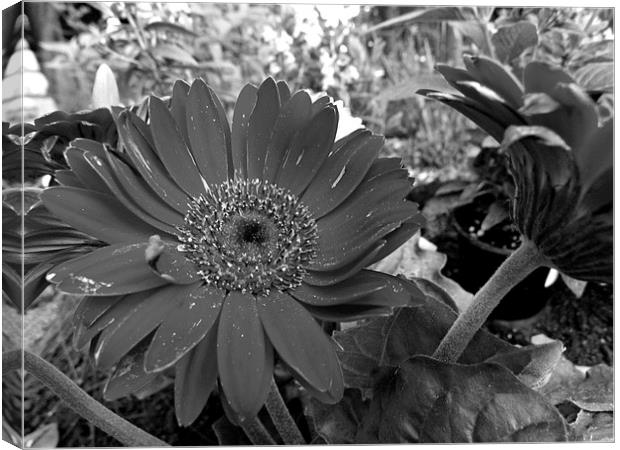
(487, 40)
(515, 268)
(256, 432)
(78, 400)
(281, 417)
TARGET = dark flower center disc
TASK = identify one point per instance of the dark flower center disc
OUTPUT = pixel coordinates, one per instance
(253, 230)
(249, 236)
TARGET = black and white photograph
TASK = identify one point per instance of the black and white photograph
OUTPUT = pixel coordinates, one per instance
(239, 224)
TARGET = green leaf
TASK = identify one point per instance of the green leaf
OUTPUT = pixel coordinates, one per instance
(174, 53)
(339, 423)
(596, 51)
(594, 427)
(475, 31)
(171, 27)
(418, 260)
(563, 380)
(497, 77)
(605, 107)
(533, 365)
(407, 89)
(545, 135)
(386, 342)
(575, 121)
(440, 14)
(497, 214)
(538, 103)
(598, 77)
(577, 287)
(382, 344)
(539, 76)
(596, 392)
(484, 13)
(510, 41)
(426, 400)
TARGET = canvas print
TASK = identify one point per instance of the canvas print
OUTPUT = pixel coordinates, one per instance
(293, 224)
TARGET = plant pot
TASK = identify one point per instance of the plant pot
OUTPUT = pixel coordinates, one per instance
(483, 253)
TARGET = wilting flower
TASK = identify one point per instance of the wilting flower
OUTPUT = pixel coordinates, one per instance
(564, 199)
(221, 246)
(561, 158)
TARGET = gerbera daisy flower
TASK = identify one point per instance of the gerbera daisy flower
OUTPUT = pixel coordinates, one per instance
(561, 158)
(564, 201)
(221, 246)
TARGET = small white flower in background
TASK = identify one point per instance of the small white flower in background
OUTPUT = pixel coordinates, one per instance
(274, 68)
(112, 25)
(347, 124)
(328, 69)
(349, 74)
(105, 89)
(281, 40)
(334, 14)
(307, 19)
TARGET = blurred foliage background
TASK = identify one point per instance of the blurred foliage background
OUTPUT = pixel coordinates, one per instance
(373, 58)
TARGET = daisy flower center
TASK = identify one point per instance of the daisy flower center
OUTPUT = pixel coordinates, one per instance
(249, 236)
(249, 230)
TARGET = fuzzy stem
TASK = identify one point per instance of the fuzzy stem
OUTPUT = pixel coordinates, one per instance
(256, 432)
(281, 417)
(515, 268)
(78, 400)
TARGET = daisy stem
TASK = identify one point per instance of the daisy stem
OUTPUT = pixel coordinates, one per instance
(78, 400)
(281, 417)
(256, 432)
(515, 268)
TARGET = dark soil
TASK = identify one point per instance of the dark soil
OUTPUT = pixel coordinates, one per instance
(471, 266)
(468, 219)
(584, 325)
